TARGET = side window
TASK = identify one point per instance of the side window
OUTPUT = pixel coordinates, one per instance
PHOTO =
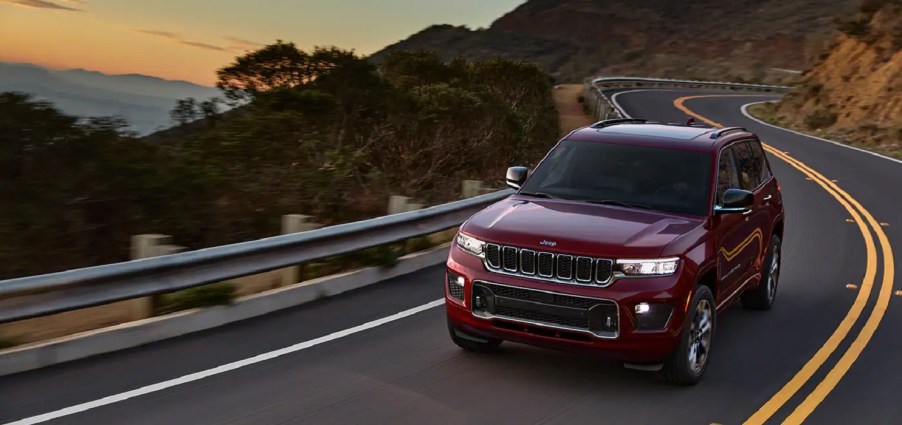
(746, 165)
(726, 175)
(762, 167)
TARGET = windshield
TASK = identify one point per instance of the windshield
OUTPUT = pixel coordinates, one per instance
(634, 176)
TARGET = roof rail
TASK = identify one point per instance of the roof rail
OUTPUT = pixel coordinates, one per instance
(720, 132)
(605, 123)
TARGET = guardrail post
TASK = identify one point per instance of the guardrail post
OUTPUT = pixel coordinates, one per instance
(398, 204)
(295, 223)
(471, 188)
(147, 246)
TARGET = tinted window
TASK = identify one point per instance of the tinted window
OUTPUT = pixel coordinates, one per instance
(763, 170)
(746, 165)
(660, 179)
(726, 175)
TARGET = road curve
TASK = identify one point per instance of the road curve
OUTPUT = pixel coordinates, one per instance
(407, 371)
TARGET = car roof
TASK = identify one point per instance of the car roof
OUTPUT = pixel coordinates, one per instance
(662, 135)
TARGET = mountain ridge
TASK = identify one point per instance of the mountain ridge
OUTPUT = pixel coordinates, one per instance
(143, 100)
(736, 39)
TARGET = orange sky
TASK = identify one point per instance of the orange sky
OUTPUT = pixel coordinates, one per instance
(190, 39)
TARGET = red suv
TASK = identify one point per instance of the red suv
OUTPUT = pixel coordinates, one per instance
(627, 240)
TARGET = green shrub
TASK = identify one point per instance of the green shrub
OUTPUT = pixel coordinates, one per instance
(383, 256)
(421, 243)
(8, 342)
(221, 293)
(820, 118)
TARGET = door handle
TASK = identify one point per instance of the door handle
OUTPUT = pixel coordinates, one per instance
(768, 198)
(747, 212)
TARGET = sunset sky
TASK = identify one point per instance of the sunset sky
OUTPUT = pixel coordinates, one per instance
(190, 39)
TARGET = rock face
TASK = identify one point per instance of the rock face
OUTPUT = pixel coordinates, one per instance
(572, 39)
(858, 83)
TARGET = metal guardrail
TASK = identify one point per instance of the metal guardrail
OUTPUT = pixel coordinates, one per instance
(34, 296)
(602, 108)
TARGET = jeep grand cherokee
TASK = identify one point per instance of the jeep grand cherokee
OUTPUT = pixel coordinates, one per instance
(626, 240)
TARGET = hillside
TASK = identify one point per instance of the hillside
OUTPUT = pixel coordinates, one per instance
(855, 92)
(144, 101)
(572, 39)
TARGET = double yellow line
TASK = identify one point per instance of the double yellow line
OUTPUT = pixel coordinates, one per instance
(863, 219)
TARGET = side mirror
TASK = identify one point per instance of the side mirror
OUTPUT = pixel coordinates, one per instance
(516, 176)
(736, 201)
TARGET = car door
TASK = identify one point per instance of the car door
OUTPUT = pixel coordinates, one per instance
(769, 191)
(737, 241)
(755, 232)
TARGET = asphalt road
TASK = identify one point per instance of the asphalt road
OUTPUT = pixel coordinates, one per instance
(408, 371)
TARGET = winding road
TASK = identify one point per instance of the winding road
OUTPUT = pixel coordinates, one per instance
(828, 353)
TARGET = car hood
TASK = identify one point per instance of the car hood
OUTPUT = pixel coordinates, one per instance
(579, 228)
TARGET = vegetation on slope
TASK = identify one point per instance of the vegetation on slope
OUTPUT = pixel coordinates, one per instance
(324, 133)
(854, 94)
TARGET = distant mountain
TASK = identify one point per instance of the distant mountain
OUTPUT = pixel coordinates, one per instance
(143, 100)
(574, 39)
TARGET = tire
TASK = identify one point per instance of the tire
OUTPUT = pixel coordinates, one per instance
(689, 360)
(763, 297)
(472, 343)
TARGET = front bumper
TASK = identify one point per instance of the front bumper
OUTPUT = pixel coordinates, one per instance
(567, 317)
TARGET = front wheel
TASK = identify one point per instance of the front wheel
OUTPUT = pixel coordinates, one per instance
(689, 361)
(762, 297)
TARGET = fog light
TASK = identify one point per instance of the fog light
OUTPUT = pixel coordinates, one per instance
(652, 316)
(456, 286)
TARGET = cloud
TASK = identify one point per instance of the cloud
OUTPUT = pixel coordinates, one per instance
(241, 43)
(179, 39)
(43, 4)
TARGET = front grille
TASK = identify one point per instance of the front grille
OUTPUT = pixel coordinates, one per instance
(560, 268)
(557, 311)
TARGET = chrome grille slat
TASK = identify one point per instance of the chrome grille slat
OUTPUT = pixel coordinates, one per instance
(584, 269)
(548, 266)
(509, 258)
(565, 266)
(604, 270)
(493, 255)
(527, 261)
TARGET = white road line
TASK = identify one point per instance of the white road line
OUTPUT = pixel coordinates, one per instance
(223, 368)
(749, 116)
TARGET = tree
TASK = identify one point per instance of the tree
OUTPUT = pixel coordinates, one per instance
(279, 65)
(185, 111)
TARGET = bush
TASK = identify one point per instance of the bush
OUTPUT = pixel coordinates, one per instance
(8, 342)
(222, 293)
(854, 26)
(820, 118)
(421, 243)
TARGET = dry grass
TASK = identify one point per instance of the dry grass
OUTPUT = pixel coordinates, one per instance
(569, 107)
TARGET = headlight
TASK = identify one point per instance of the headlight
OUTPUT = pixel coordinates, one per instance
(470, 244)
(658, 267)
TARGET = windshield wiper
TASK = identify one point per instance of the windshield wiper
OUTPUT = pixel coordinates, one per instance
(619, 203)
(537, 195)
